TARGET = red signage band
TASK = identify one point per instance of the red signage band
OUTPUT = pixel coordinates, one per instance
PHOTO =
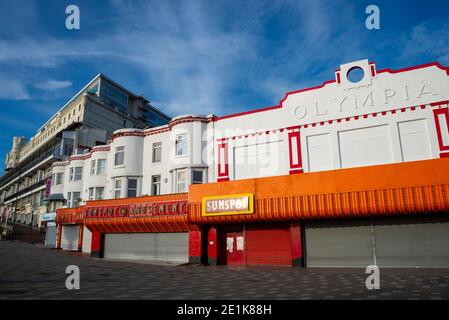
(138, 210)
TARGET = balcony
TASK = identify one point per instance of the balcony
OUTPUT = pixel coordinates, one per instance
(52, 154)
(26, 190)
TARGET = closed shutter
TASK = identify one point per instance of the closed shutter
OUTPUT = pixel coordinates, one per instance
(69, 238)
(170, 247)
(412, 242)
(87, 240)
(339, 244)
(268, 244)
(50, 236)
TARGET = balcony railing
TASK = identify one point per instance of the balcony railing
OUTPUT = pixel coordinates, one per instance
(26, 190)
(54, 152)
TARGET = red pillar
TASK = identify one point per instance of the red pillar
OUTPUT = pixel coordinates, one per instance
(223, 165)
(97, 245)
(294, 147)
(80, 238)
(442, 125)
(195, 241)
(296, 244)
(212, 246)
(58, 238)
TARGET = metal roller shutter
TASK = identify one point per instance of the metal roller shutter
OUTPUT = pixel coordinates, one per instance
(170, 247)
(268, 245)
(69, 238)
(87, 240)
(339, 243)
(412, 242)
(50, 236)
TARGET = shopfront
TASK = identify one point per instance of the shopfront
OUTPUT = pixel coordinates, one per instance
(70, 229)
(392, 215)
(146, 228)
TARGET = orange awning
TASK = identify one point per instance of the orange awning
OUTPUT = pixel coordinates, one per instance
(396, 189)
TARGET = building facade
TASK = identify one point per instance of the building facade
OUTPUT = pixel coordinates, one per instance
(87, 120)
(349, 173)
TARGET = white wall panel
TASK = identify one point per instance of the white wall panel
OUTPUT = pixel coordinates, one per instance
(319, 152)
(415, 142)
(365, 146)
(260, 160)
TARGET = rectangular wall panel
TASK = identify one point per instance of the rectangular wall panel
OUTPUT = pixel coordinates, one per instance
(87, 240)
(415, 142)
(319, 151)
(365, 147)
(260, 160)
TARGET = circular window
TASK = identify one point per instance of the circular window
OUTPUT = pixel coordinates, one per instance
(355, 74)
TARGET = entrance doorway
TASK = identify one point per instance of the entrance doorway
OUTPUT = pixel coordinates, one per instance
(232, 245)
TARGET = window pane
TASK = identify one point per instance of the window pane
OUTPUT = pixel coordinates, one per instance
(99, 194)
(101, 166)
(181, 144)
(181, 181)
(118, 189)
(132, 183)
(132, 188)
(197, 177)
(78, 173)
(92, 167)
(157, 152)
(119, 156)
(156, 185)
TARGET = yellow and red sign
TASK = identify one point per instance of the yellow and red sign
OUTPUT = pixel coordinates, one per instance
(228, 205)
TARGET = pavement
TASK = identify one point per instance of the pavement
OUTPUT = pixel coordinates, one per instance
(30, 271)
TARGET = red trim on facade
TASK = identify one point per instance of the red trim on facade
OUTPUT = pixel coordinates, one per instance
(295, 164)
(422, 66)
(212, 245)
(223, 168)
(373, 70)
(436, 113)
(436, 64)
(195, 242)
(364, 116)
(338, 77)
(96, 247)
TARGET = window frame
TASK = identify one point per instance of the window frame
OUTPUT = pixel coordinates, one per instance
(177, 143)
(154, 183)
(119, 189)
(133, 189)
(178, 183)
(93, 167)
(119, 150)
(157, 146)
(103, 167)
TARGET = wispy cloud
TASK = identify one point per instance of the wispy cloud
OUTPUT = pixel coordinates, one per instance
(53, 85)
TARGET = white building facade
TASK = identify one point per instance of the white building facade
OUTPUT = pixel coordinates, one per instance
(348, 173)
(386, 117)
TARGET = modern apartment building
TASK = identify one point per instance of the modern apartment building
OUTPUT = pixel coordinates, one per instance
(86, 120)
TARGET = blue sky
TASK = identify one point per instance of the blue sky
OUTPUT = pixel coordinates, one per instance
(209, 56)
